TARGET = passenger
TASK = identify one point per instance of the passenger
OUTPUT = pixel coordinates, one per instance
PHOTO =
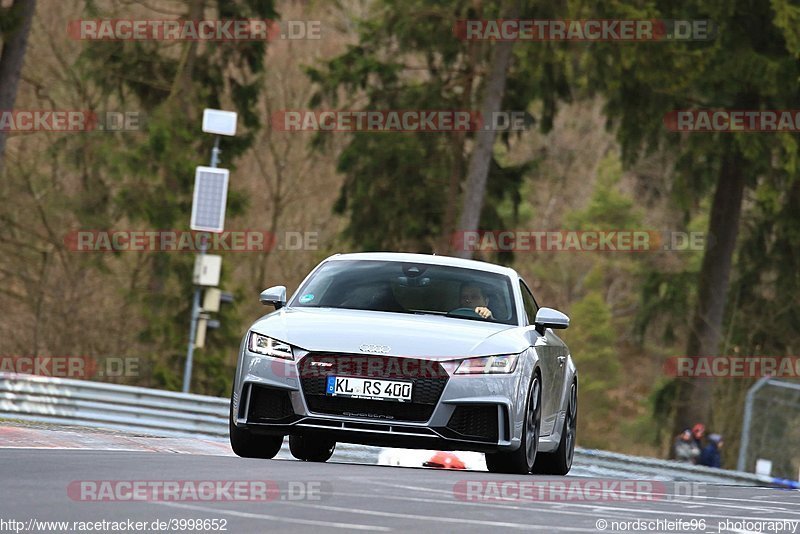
(685, 448)
(374, 296)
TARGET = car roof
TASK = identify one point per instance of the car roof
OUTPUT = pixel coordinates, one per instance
(427, 258)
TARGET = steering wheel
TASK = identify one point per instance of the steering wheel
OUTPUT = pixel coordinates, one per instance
(464, 312)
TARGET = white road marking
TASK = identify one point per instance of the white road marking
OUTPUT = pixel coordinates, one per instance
(414, 488)
(553, 510)
(440, 519)
(707, 499)
(298, 521)
(594, 508)
(54, 448)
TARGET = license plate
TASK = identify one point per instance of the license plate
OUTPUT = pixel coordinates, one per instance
(369, 388)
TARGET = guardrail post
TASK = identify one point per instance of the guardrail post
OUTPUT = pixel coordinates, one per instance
(744, 440)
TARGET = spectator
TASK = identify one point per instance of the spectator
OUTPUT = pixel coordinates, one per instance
(710, 457)
(685, 448)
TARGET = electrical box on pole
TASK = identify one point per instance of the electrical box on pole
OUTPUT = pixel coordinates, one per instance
(207, 269)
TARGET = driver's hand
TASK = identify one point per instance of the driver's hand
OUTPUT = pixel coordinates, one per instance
(486, 313)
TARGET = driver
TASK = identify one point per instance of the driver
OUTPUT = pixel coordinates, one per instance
(472, 296)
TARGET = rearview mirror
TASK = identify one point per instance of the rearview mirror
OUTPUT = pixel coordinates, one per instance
(550, 318)
(275, 295)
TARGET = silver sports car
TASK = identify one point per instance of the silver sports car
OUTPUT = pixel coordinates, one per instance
(408, 350)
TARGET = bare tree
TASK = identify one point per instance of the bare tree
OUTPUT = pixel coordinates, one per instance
(694, 395)
(481, 159)
(15, 43)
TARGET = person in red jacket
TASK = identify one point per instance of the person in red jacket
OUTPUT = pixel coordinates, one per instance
(698, 433)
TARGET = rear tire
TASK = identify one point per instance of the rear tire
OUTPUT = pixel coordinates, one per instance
(311, 448)
(249, 445)
(522, 460)
(560, 461)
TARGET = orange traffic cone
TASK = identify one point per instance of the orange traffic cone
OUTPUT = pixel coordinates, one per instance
(445, 460)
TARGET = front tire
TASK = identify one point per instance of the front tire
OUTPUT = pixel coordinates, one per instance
(248, 445)
(522, 460)
(311, 448)
(560, 461)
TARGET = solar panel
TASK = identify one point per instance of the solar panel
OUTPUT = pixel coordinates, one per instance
(210, 197)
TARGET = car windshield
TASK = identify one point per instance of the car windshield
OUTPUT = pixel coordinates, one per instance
(392, 286)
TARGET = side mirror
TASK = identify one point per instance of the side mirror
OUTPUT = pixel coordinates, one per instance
(550, 318)
(275, 295)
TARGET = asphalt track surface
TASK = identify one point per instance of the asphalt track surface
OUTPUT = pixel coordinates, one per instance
(351, 497)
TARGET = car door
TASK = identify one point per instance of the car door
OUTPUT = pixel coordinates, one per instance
(552, 356)
(557, 354)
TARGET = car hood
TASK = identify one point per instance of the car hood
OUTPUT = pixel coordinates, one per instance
(429, 336)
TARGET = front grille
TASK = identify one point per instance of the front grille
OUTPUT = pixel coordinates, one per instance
(269, 405)
(429, 379)
(475, 421)
(370, 409)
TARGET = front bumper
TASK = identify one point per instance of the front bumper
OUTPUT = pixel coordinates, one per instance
(447, 412)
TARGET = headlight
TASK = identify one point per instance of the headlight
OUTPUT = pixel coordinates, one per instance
(488, 365)
(269, 347)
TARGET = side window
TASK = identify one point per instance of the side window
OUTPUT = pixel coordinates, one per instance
(528, 301)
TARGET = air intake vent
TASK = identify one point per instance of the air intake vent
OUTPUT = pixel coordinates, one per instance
(476, 422)
(269, 405)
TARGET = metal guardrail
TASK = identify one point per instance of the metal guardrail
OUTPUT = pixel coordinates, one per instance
(658, 469)
(98, 404)
(167, 413)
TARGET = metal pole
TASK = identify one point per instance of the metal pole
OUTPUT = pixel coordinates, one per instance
(187, 370)
(748, 415)
(215, 152)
